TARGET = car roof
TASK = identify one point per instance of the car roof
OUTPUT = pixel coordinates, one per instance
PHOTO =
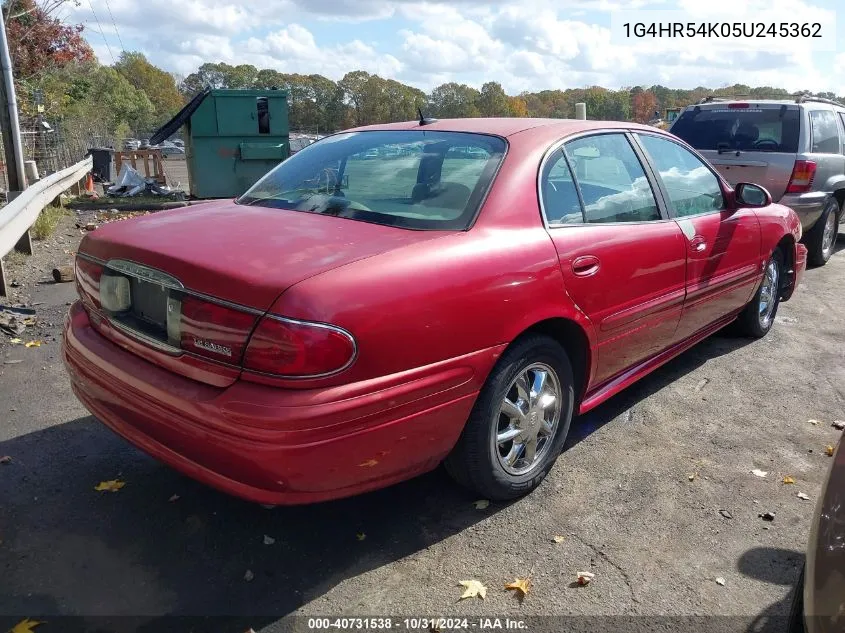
(506, 126)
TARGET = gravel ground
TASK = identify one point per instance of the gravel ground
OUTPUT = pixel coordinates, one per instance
(654, 495)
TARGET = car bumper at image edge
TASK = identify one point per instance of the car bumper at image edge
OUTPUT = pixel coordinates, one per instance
(808, 206)
(188, 425)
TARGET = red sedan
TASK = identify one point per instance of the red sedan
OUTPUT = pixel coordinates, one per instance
(398, 296)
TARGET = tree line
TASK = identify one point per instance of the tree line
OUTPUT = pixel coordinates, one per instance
(59, 80)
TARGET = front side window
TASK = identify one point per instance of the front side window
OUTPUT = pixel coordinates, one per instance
(825, 132)
(560, 198)
(611, 179)
(413, 179)
(691, 186)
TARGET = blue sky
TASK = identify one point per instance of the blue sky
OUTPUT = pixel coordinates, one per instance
(523, 44)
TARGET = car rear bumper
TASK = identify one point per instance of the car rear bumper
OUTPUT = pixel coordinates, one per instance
(808, 206)
(272, 445)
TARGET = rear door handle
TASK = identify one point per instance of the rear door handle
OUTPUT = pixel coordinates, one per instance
(585, 265)
(698, 244)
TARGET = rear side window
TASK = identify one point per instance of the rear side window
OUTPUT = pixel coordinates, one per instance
(560, 198)
(691, 186)
(611, 179)
(750, 129)
(825, 132)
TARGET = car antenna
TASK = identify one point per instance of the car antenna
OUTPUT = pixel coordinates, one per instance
(424, 120)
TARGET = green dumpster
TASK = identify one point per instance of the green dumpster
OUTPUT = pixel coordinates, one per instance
(233, 138)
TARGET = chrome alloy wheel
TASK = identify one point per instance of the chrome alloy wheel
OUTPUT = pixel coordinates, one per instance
(769, 293)
(528, 419)
(829, 234)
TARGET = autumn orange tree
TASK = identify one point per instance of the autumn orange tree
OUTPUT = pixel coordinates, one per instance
(643, 105)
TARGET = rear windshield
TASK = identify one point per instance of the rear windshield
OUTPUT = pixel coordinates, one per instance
(747, 129)
(413, 179)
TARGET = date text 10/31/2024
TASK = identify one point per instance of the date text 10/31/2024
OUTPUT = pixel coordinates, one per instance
(416, 624)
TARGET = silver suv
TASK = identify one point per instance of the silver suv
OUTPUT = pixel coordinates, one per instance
(795, 148)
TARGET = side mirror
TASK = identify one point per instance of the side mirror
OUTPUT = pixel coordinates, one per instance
(750, 195)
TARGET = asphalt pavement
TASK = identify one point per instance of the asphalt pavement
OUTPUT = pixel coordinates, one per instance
(654, 495)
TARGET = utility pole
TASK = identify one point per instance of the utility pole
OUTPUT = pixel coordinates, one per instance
(9, 123)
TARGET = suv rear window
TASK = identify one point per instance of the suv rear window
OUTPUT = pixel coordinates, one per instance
(413, 179)
(754, 129)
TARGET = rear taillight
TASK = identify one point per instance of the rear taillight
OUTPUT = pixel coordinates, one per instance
(802, 176)
(88, 275)
(285, 347)
(208, 329)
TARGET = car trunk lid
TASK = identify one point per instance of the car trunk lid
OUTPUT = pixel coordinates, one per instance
(772, 170)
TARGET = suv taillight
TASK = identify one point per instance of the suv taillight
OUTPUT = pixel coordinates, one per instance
(286, 347)
(802, 176)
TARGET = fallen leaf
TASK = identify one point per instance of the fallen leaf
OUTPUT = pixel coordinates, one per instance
(473, 589)
(828, 450)
(522, 585)
(173, 498)
(803, 496)
(838, 424)
(360, 536)
(481, 504)
(6, 459)
(112, 485)
(726, 513)
(15, 341)
(585, 578)
(368, 464)
(248, 575)
(788, 480)
(813, 422)
(269, 540)
(25, 626)
(759, 473)
(720, 581)
(558, 539)
(32, 344)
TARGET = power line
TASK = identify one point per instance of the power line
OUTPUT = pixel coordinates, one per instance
(100, 26)
(119, 39)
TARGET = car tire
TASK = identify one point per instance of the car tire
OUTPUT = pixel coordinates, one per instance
(796, 612)
(758, 316)
(510, 405)
(821, 238)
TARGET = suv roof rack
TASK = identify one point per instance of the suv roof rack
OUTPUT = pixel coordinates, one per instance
(803, 98)
(716, 98)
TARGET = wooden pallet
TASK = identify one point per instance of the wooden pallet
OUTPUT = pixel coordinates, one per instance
(150, 157)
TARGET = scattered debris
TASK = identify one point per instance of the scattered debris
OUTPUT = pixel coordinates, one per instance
(14, 320)
(803, 496)
(558, 539)
(702, 384)
(91, 226)
(6, 459)
(726, 514)
(248, 575)
(788, 480)
(481, 504)
(63, 274)
(813, 422)
(16, 341)
(269, 540)
(130, 182)
(767, 516)
(838, 424)
(585, 578)
(12, 362)
(522, 585)
(828, 450)
(720, 581)
(360, 536)
(32, 344)
(25, 626)
(759, 473)
(692, 476)
(473, 589)
(173, 498)
(112, 485)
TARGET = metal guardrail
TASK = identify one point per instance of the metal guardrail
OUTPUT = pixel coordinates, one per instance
(20, 214)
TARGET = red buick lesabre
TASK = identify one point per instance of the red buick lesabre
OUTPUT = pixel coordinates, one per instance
(398, 296)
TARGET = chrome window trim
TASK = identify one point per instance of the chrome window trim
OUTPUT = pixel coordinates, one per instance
(658, 200)
(175, 351)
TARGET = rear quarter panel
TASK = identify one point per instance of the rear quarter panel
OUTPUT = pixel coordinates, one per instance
(776, 221)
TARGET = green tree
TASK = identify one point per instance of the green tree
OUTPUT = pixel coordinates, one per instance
(157, 84)
(454, 101)
(492, 101)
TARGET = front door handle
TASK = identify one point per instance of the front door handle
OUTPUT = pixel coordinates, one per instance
(585, 265)
(698, 244)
